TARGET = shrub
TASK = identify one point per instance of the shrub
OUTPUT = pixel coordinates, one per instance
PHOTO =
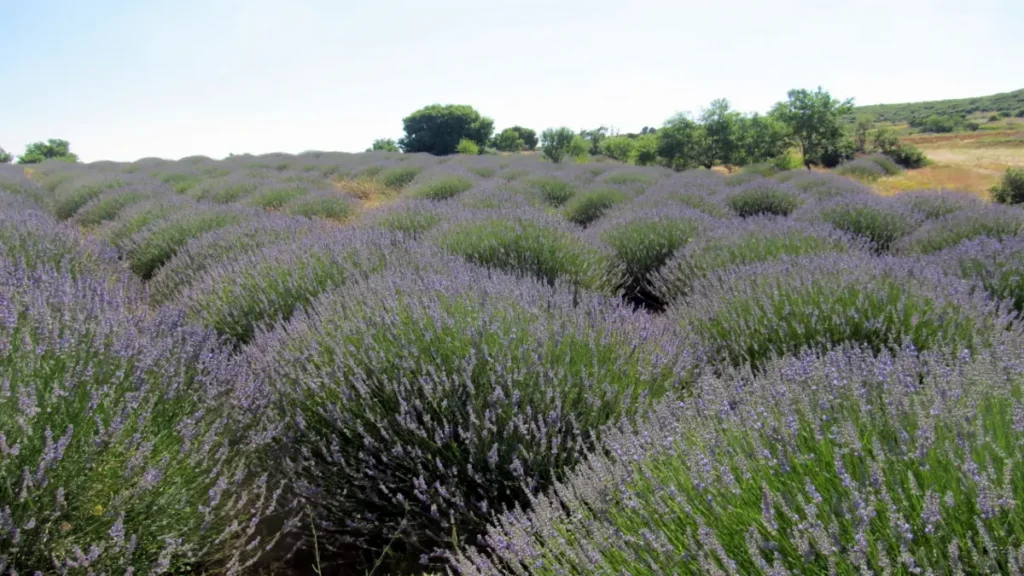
(589, 205)
(972, 126)
(551, 190)
(513, 175)
(951, 230)
(443, 188)
(525, 244)
(933, 204)
(880, 221)
(34, 240)
(640, 242)
(887, 164)
(493, 199)
(1019, 113)
(738, 244)
(441, 396)
(67, 203)
(137, 216)
(238, 296)
(482, 171)
(328, 204)
(121, 449)
(909, 156)
(822, 186)
(468, 147)
(225, 191)
(384, 145)
(939, 124)
(232, 242)
(108, 205)
(621, 148)
(752, 314)
(277, 197)
(155, 244)
(767, 481)
(399, 176)
(841, 151)
(763, 197)
(998, 266)
(1011, 189)
(993, 118)
(411, 218)
(636, 181)
(861, 168)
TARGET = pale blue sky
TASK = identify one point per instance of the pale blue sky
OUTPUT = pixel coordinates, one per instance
(125, 79)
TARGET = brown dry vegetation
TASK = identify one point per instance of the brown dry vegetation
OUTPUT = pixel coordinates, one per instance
(969, 161)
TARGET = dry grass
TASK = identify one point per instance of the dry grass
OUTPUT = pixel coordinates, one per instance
(972, 162)
(370, 192)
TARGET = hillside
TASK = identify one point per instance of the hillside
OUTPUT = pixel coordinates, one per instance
(1009, 102)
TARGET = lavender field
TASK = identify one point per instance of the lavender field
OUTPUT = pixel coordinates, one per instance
(391, 363)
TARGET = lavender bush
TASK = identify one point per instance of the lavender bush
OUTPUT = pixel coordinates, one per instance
(550, 190)
(587, 206)
(751, 314)
(232, 242)
(109, 204)
(934, 204)
(998, 266)
(443, 394)
(411, 218)
(442, 188)
(747, 242)
(526, 244)
(851, 464)
(238, 296)
(152, 246)
(821, 186)
(879, 221)
(119, 448)
(763, 197)
(135, 217)
(326, 204)
(35, 240)
(640, 242)
(941, 233)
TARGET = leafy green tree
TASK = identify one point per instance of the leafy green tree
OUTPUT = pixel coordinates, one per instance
(5, 157)
(621, 148)
(385, 145)
(579, 147)
(939, 124)
(680, 142)
(814, 120)
(762, 138)
(468, 147)
(645, 152)
(528, 136)
(509, 140)
(437, 129)
(556, 142)
(860, 133)
(594, 138)
(721, 134)
(52, 149)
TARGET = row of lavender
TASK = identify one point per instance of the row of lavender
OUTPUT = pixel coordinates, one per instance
(405, 378)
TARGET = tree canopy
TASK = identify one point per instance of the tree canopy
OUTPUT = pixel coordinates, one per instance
(52, 149)
(814, 121)
(437, 129)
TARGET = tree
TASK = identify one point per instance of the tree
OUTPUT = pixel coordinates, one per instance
(52, 149)
(437, 129)
(680, 142)
(528, 136)
(579, 147)
(621, 148)
(594, 138)
(555, 143)
(762, 138)
(645, 151)
(384, 145)
(721, 134)
(813, 119)
(509, 141)
(5, 157)
(860, 133)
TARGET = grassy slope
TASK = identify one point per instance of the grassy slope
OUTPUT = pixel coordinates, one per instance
(1006, 102)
